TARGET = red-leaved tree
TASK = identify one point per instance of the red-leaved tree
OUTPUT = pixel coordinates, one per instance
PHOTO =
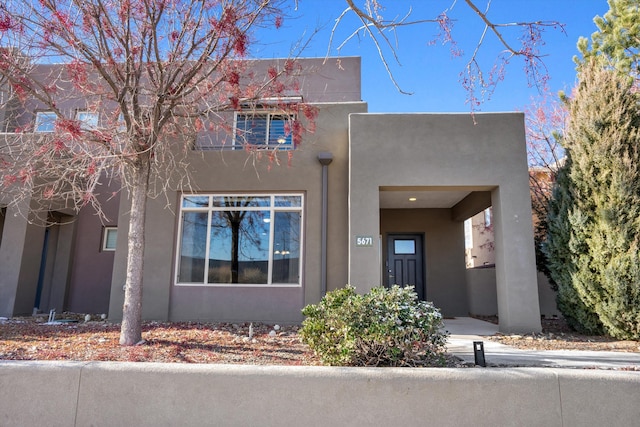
(102, 90)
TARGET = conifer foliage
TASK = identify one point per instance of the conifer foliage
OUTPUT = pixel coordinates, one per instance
(594, 218)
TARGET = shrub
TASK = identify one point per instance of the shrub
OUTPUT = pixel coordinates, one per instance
(385, 327)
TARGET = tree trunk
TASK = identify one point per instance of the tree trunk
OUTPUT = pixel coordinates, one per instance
(131, 329)
(235, 241)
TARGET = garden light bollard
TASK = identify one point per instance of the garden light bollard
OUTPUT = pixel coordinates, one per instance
(478, 353)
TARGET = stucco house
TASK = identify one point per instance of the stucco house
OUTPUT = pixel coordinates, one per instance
(368, 199)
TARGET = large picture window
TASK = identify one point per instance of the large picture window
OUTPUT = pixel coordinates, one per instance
(250, 239)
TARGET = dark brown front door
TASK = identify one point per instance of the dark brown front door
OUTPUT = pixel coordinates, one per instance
(405, 261)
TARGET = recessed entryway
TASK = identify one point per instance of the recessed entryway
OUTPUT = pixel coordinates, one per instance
(405, 261)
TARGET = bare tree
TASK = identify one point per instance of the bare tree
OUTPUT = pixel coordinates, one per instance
(477, 81)
(545, 121)
(121, 87)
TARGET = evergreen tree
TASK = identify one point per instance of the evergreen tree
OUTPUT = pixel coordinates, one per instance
(594, 227)
(616, 44)
(562, 260)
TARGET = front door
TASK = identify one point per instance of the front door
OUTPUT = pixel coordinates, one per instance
(405, 261)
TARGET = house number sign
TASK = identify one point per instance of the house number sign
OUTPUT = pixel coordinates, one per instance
(364, 241)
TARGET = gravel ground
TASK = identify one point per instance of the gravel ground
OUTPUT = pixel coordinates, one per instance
(259, 344)
(32, 338)
(556, 335)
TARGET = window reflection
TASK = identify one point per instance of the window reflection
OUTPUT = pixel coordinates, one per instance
(286, 260)
(193, 246)
(240, 239)
(239, 247)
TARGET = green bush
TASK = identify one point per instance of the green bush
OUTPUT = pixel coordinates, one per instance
(385, 327)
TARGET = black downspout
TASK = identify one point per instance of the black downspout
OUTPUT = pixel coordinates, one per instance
(325, 158)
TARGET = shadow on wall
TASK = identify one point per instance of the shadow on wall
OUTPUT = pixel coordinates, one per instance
(482, 296)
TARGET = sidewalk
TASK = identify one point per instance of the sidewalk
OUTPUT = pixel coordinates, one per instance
(465, 330)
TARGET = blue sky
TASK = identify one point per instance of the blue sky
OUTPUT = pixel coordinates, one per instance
(429, 71)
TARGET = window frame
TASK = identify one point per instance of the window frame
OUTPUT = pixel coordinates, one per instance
(488, 217)
(272, 208)
(105, 238)
(38, 122)
(269, 115)
(88, 124)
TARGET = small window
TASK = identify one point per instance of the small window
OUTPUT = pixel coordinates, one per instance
(404, 247)
(468, 233)
(88, 120)
(45, 121)
(487, 217)
(110, 238)
(264, 129)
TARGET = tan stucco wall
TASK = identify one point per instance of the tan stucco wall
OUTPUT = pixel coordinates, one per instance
(90, 275)
(335, 89)
(20, 254)
(229, 171)
(481, 291)
(73, 249)
(482, 296)
(444, 253)
(432, 150)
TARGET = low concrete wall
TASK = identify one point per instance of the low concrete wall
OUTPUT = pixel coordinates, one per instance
(151, 394)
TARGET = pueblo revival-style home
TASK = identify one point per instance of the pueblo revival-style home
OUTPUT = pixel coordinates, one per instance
(369, 199)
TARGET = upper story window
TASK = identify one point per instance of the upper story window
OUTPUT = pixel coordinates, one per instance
(45, 121)
(265, 129)
(88, 120)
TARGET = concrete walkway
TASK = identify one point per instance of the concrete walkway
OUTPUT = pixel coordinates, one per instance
(465, 330)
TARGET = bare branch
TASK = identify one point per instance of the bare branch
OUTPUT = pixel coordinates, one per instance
(478, 82)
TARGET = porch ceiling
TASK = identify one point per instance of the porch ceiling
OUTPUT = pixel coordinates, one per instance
(424, 199)
(433, 197)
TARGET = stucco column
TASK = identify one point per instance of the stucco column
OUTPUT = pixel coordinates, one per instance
(516, 279)
(364, 223)
(20, 253)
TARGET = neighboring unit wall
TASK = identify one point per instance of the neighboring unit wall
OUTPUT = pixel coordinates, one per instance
(90, 276)
(20, 255)
(38, 260)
